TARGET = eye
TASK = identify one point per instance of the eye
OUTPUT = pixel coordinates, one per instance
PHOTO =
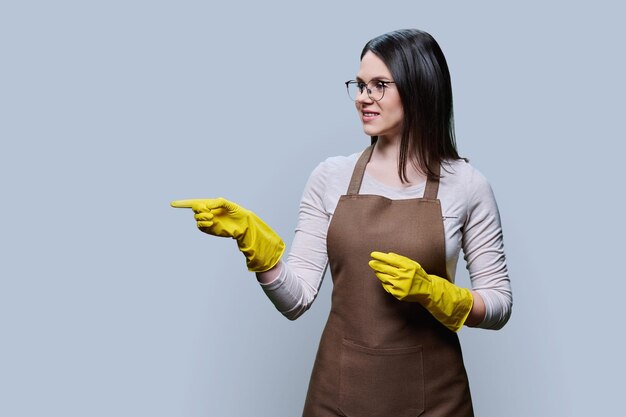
(380, 86)
(360, 86)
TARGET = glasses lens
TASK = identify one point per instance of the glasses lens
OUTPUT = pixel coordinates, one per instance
(377, 90)
(353, 90)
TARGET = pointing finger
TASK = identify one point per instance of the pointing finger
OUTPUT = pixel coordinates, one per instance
(183, 203)
(206, 204)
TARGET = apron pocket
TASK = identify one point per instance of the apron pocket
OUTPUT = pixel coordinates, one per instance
(381, 382)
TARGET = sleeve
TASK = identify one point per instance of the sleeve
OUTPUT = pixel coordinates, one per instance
(483, 249)
(295, 288)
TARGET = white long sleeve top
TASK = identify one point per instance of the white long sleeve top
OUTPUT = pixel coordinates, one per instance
(471, 222)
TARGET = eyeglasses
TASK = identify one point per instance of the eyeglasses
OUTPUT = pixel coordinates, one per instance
(375, 89)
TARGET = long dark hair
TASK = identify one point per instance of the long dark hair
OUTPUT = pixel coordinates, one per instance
(421, 75)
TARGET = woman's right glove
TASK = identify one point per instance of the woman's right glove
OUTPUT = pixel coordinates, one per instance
(261, 246)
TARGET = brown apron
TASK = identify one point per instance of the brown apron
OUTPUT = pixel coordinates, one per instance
(378, 356)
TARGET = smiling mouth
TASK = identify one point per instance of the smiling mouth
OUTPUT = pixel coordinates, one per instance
(370, 114)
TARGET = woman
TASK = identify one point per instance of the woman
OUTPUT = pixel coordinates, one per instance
(390, 221)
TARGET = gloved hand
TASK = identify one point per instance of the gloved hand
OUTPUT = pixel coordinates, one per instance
(406, 280)
(261, 246)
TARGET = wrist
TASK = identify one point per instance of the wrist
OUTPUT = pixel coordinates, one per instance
(478, 312)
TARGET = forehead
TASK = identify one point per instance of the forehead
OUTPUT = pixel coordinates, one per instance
(372, 67)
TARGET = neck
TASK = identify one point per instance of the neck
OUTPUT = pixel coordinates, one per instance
(385, 160)
(387, 149)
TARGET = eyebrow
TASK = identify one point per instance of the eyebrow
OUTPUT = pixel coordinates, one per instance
(377, 78)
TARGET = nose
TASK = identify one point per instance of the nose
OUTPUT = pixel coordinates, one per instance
(363, 97)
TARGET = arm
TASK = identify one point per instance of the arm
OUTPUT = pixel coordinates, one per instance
(291, 288)
(261, 246)
(483, 249)
(292, 285)
(488, 304)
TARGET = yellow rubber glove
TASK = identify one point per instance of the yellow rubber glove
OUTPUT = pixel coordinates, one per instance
(261, 246)
(406, 280)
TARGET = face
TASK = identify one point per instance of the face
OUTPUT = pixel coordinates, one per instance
(381, 118)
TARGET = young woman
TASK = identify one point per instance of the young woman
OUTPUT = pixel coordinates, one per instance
(390, 221)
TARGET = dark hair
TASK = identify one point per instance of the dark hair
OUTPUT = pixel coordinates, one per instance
(421, 75)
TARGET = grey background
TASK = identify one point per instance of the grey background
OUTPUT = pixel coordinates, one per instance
(112, 303)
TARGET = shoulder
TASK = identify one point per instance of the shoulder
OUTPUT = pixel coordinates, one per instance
(331, 176)
(337, 163)
(462, 174)
(465, 190)
(334, 168)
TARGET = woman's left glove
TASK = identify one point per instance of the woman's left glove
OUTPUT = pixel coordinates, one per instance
(406, 280)
(261, 246)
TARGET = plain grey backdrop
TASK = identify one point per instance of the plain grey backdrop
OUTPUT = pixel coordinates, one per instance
(113, 304)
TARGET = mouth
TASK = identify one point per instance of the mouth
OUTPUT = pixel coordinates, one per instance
(369, 115)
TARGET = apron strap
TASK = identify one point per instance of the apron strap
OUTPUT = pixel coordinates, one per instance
(359, 170)
(432, 185)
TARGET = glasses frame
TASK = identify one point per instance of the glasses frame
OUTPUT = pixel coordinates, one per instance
(367, 88)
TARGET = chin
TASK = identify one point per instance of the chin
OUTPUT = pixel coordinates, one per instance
(371, 132)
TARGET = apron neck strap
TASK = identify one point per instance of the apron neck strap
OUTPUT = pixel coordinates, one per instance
(432, 185)
(359, 170)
